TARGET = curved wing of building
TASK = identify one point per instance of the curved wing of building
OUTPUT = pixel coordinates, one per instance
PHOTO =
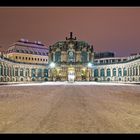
(68, 60)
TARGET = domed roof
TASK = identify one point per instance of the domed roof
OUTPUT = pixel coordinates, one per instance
(24, 46)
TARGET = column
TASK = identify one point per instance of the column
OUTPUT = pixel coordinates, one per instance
(122, 72)
(128, 71)
(98, 72)
(36, 70)
(30, 72)
(93, 72)
(138, 70)
(111, 72)
(6, 70)
(24, 72)
(18, 71)
(117, 72)
(105, 72)
(2, 70)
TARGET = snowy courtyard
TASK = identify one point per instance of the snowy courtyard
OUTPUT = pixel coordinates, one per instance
(62, 107)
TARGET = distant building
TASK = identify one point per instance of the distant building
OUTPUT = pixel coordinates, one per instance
(103, 55)
(68, 60)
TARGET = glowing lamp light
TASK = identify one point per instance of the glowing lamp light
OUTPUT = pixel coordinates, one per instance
(52, 65)
(89, 65)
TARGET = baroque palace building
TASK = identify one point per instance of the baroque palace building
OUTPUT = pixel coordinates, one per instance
(68, 60)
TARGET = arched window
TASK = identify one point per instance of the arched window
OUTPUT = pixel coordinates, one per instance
(35, 52)
(22, 51)
(33, 72)
(39, 53)
(108, 72)
(26, 51)
(16, 71)
(31, 52)
(84, 56)
(39, 74)
(119, 72)
(114, 71)
(96, 73)
(124, 72)
(21, 72)
(27, 72)
(45, 72)
(102, 72)
(57, 56)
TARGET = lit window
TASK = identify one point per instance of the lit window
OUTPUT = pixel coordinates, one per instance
(108, 72)
(114, 71)
(119, 72)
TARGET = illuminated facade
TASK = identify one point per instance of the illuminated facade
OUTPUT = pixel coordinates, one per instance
(24, 61)
(68, 60)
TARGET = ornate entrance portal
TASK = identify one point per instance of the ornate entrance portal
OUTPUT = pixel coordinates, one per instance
(71, 74)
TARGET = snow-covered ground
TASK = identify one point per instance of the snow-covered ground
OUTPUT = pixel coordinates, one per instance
(69, 109)
(74, 83)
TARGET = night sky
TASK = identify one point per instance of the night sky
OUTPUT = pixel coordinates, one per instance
(108, 29)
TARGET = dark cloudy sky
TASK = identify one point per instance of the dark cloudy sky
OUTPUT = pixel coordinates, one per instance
(108, 29)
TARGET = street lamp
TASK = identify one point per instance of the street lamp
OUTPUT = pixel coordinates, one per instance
(89, 66)
(52, 66)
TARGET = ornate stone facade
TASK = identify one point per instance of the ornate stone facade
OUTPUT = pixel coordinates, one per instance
(31, 61)
(71, 56)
